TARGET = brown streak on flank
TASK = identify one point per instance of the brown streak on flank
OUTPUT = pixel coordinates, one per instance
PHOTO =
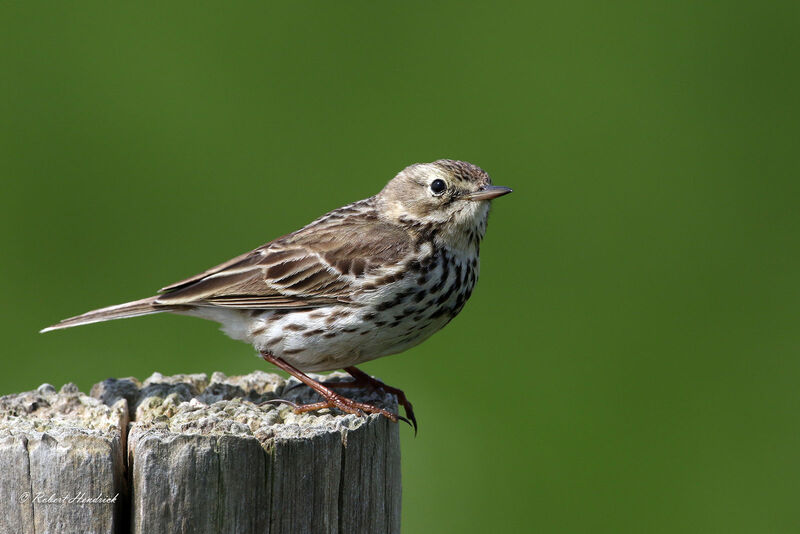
(316, 332)
(330, 335)
(273, 341)
(276, 315)
(395, 301)
(317, 315)
(388, 279)
(294, 327)
(444, 296)
(258, 331)
(336, 315)
(350, 330)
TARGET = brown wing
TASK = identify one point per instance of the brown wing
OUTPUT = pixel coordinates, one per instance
(207, 272)
(317, 266)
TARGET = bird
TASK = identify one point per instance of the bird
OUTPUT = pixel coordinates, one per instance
(367, 280)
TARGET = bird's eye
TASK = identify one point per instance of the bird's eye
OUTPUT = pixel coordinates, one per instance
(438, 186)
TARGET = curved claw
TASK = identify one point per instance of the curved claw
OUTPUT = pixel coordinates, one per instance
(412, 424)
(362, 378)
(410, 414)
(280, 401)
(403, 401)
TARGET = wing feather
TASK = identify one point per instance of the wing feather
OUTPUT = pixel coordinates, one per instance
(243, 260)
(321, 264)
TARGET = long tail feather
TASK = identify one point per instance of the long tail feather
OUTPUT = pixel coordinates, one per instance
(120, 311)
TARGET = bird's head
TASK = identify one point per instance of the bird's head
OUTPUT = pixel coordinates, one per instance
(449, 196)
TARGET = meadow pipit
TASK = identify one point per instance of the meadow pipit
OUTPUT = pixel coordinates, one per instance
(370, 279)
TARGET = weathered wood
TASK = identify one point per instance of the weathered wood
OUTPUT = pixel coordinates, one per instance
(62, 462)
(200, 456)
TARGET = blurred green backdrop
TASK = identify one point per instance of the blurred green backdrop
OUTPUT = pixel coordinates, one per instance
(629, 361)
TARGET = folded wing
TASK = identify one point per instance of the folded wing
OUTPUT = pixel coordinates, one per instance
(317, 266)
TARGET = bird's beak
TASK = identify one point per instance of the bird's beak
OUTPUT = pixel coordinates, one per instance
(487, 192)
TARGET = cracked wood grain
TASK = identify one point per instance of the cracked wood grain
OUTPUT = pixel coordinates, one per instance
(188, 453)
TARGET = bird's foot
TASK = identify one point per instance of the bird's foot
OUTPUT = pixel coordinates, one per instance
(332, 399)
(360, 378)
(363, 380)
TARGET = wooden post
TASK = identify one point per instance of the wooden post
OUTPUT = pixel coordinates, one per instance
(187, 454)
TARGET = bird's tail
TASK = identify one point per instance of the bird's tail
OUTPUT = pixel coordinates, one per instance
(120, 311)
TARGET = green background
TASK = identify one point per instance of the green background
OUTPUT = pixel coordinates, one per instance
(629, 359)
